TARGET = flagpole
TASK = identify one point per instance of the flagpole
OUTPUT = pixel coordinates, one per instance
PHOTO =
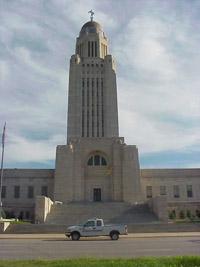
(1, 178)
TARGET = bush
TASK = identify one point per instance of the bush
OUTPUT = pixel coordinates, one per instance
(198, 213)
(172, 215)
(188, 214)
(182, 214)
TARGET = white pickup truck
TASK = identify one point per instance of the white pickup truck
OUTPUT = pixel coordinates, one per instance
(96, 227)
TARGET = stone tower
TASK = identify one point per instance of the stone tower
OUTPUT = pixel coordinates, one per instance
(95, 164)
(92, 99)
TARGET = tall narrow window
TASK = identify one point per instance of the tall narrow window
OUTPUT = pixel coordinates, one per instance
(97, 107)
(163, 190)
(30, 192)
(189, 191)
(3, 192)
(92, 107)
(83, 122)
(102, 110)
(83, 104)
(87, 123)
(92, 49)
(83, 88)
(88, 96)
(149, 191)
(176, 191)
(89, 49)
(17, 191)
(95, 49)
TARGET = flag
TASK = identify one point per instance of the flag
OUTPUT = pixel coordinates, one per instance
(3, 135)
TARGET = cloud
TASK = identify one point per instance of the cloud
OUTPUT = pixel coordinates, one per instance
(156, 46)
(158, 84)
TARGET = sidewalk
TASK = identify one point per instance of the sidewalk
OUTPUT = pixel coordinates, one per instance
(131, 235)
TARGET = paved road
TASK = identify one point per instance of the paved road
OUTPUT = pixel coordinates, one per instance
(59, 247)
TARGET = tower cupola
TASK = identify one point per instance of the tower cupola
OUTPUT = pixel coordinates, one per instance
(92, 41)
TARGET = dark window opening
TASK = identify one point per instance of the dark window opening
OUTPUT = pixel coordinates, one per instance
(92, 49)
(97, 160)
(27, 215)
(3, 192)
(17, 191)
(189, 191)
(176, 191)
(103, 162)
(30, 191)
(90, 161)
(95, 49)
(97, 194)
(149, 191)
(89, 49)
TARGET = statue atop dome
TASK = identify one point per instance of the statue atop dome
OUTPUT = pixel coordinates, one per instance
(91, 14)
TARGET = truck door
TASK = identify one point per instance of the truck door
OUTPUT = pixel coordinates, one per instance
(89, 228)
(99, 226)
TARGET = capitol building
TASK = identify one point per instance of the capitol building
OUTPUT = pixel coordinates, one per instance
(96, 172)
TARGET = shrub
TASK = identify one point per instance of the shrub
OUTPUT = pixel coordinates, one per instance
(172, 215)
(188, 214)
(182, 214)
(198, 213)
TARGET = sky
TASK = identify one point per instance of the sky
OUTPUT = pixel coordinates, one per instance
(156, 45)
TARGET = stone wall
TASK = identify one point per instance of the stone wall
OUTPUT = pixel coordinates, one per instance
(23, 206)
(169, 178)
(42, 208)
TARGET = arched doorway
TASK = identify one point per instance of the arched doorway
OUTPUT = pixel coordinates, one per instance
(97, 178)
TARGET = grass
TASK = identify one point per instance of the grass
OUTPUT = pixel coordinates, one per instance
(20, 222)
(185, 261)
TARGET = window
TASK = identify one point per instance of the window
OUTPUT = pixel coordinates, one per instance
(99, 223)
(92, 49)
(103, 162)
(97, 160)
(17, 191)
(189, 191)
(90, 161)
(89, 49)
(90, 224)
(27, 215)
(3, 192)
(95, 49)
(30, 191)
(44, 191)
(176, 191)
(149, 191)
(163, 190)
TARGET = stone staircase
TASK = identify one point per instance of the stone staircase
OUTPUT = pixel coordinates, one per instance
(111, 212)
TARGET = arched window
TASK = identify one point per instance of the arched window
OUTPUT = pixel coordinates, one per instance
(97, 160)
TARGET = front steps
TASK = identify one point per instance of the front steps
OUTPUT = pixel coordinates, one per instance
(111, 212)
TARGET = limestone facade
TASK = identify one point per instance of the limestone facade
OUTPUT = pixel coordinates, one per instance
(77, 179)
(96, 164)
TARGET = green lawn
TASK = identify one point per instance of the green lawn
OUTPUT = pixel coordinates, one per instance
(186, 261)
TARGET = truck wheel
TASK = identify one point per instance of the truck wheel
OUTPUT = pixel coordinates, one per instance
(114, 236)
(75, 236)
